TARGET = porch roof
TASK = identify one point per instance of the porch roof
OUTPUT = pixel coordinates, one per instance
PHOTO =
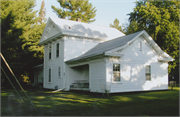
(101, 48)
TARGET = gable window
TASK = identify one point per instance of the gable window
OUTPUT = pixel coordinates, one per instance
(49, 74)
(148, 72)
(50, 52)
(140, 44)
(59, 71)
(116, 72)
(57, 50)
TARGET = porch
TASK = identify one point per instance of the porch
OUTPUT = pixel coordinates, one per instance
(80, 85)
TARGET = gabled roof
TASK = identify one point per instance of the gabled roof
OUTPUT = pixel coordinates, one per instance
(123, 41)
(81, 29)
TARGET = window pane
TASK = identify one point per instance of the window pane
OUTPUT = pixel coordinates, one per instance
(57, 50)
(148, 77)
(116, 76)
(49, 75)
(116, 72)
(147, 69)
(50, 52)
(148, 72)
(59, 72)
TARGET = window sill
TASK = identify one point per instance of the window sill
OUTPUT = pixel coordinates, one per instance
(49, 82)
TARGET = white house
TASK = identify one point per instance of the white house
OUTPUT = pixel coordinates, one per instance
(81, 56)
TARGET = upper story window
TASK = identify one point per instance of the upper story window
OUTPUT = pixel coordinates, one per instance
(148, 72)
(57, 50)
(116, 72)
(50, 52)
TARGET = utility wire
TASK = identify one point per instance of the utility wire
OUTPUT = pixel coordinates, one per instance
(12, 84)
(17, 81)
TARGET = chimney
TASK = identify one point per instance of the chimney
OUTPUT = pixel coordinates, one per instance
(78, 19)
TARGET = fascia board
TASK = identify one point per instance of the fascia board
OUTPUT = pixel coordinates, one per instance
(154, 45)
(165, 60)
(44, 30)
(113, 54)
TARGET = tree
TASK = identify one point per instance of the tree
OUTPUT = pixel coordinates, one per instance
(42, 13)
(116, 25)
(161, 20)
(130, 28)
(20, 36)
(73, 9)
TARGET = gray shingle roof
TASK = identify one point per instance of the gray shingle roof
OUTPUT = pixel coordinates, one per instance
(106, 46)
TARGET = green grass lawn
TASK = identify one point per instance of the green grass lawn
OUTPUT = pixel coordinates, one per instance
(77, 103)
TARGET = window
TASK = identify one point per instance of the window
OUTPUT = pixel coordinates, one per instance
(49, 74)
(59, 71)
(57, 50)
(50, 52)
(116, 72)
(148, 72)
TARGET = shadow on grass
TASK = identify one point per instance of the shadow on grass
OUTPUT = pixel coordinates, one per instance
(77, 103)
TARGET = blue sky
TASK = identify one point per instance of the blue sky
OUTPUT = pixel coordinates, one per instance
(107, 10)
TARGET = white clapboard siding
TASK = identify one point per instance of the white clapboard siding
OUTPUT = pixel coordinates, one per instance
(54, 63)
(133, 69)
(75, 47)
(98, 75)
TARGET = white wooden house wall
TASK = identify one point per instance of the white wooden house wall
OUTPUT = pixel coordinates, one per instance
(132, 66)
(54, 63)
(70, 47)
(97, 75)
(38, 75)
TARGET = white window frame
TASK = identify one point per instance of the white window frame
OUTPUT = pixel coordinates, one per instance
(113, 73)
(50, 68)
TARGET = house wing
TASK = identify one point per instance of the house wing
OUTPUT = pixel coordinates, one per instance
(109, 47)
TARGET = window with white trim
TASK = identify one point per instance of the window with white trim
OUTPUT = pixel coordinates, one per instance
(49, 52)
(116, 72)
(49, 74)
(57, 50)
(148, 72)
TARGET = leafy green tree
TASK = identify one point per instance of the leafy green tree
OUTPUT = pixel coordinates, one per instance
(116, 25)
(73, 9)
(131, 28)
(161, 20)
(20, 34)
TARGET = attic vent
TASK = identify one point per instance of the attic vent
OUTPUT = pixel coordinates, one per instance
(48, 30)
(53, 26)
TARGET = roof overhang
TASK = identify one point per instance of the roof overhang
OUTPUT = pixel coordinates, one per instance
(94, 57)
